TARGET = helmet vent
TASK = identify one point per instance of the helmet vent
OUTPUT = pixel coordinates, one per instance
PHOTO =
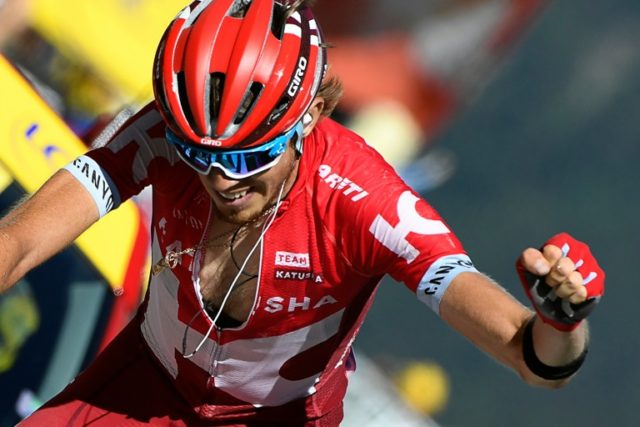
(278, 21)
(216, 87)
(183, 97)
(239, 8)
(249, 100)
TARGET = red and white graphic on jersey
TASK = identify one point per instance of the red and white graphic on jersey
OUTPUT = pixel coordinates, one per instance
(347, 221)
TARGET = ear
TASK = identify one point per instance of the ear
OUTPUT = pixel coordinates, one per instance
(313, 114)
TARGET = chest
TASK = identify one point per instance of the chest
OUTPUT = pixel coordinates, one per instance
(292, 276)
(229, 273)
(277, 273)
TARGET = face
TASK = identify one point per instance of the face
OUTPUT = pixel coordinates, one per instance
(240, 201)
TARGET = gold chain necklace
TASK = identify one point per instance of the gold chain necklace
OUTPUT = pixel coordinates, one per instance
(172, 258)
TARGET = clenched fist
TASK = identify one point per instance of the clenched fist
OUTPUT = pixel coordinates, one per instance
(563, 281)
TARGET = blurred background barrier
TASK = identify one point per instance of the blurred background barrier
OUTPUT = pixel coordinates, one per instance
(116, 39)
(63, 312)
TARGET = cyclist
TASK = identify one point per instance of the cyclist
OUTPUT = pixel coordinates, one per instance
(273, 226)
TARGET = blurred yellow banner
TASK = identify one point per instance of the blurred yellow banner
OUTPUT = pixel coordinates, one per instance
(117, 38)
(35, 143)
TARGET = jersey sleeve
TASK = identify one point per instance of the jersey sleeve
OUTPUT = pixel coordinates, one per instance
(386, 228)
(132, 160)
(403, 236)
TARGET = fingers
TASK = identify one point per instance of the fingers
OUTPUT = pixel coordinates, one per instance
(552, 254)
(559, 272)
(535, 262)
(571, 288)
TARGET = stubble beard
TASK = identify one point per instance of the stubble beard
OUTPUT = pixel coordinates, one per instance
(242, 218)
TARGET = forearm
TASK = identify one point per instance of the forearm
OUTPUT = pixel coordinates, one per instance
(8, 262)
(550, 357)
(558, 348)
(492, 319)
(42, 225)
(15, 257)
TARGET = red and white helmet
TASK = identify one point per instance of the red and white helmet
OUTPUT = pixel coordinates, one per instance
(237, 73)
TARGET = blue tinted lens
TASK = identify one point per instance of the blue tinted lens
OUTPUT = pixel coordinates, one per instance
(235, 163)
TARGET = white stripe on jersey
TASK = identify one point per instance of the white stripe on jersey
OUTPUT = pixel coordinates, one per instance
(164, 333)
(296, 17)
(293, 29)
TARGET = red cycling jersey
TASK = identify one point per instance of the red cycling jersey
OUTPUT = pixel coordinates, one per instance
(347, 221)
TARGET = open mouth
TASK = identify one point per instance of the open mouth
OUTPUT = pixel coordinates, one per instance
(234, 195)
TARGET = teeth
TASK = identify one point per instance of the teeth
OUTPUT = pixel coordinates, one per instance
(233, 196)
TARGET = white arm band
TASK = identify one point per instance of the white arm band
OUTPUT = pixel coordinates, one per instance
(97, 182)
(439, 276)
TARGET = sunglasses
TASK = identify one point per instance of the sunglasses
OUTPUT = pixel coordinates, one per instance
(235, 164)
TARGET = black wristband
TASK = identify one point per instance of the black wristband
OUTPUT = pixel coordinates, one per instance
(545, 371)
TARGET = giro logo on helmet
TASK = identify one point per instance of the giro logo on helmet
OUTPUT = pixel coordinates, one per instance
(294, 87)
(210, 142)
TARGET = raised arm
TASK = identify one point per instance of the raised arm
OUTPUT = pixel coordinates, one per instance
(42, 225)
(544, 348)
